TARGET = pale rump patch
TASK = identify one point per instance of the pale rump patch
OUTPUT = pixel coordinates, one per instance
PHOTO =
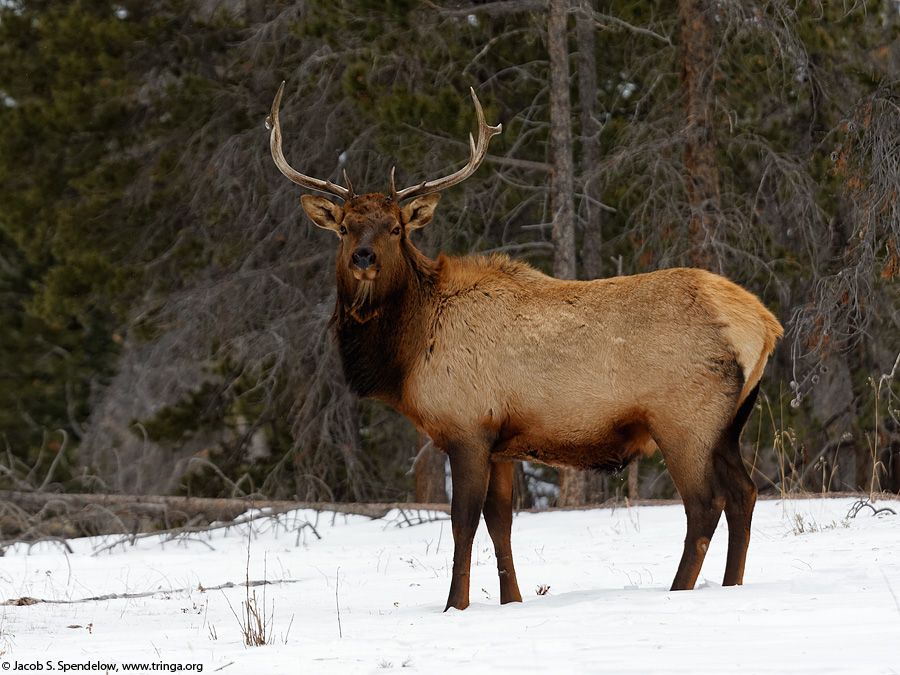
(748, 325)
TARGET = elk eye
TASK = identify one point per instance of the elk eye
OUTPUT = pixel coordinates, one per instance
(396, 230)
(343, 230)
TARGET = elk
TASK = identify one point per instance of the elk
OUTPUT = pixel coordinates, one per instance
(496, 362)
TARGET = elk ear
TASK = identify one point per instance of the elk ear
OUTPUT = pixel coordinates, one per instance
(419, 212)
(323, 212)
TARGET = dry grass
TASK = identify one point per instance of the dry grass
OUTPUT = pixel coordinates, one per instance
(255, 625)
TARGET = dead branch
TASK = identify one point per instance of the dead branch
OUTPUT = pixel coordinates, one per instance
(493, 8)
(26, 600)
(861, 503)
(38, 516)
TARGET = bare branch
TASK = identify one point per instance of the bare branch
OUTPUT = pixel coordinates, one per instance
(600, 18)
(501, 8)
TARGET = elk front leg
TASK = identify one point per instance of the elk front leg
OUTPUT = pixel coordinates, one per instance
(498, 516)
(470, 470)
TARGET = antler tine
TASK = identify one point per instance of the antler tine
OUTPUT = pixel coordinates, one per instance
(476, 156)
(396, 197)
(326, 186)
(349, 185)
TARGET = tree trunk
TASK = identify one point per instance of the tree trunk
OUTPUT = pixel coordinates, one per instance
(590, 213)
(431, 478)
(522, 497)
(633, 489)
(700, 163)
(562, 190)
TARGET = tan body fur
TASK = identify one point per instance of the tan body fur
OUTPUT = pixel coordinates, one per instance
(584, 374)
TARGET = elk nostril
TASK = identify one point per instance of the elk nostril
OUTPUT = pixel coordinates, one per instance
(363, 258)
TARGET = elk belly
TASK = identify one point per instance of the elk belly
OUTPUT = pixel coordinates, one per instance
(609, 448)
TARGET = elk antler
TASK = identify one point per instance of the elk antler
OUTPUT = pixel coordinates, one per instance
(307, 182)
(478, 152)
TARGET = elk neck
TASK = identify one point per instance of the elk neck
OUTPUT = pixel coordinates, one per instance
(381, 327)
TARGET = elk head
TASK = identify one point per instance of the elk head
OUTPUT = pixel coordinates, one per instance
(373, 228)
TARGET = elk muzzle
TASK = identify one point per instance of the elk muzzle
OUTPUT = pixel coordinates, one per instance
(362, 263)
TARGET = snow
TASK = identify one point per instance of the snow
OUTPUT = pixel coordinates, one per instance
(821, 594)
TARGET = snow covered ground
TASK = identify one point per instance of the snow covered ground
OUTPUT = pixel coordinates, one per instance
(354, 595)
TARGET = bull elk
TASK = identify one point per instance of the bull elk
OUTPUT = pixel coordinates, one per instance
(496, 361)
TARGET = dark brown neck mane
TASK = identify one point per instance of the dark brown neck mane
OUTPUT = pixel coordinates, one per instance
(379, 331)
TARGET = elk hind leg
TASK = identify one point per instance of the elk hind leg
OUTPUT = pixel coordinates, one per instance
(739, 492)
(498, 517)
(692, 474)
(703, 511)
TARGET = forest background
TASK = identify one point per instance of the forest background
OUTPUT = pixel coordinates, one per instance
(164, 321)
